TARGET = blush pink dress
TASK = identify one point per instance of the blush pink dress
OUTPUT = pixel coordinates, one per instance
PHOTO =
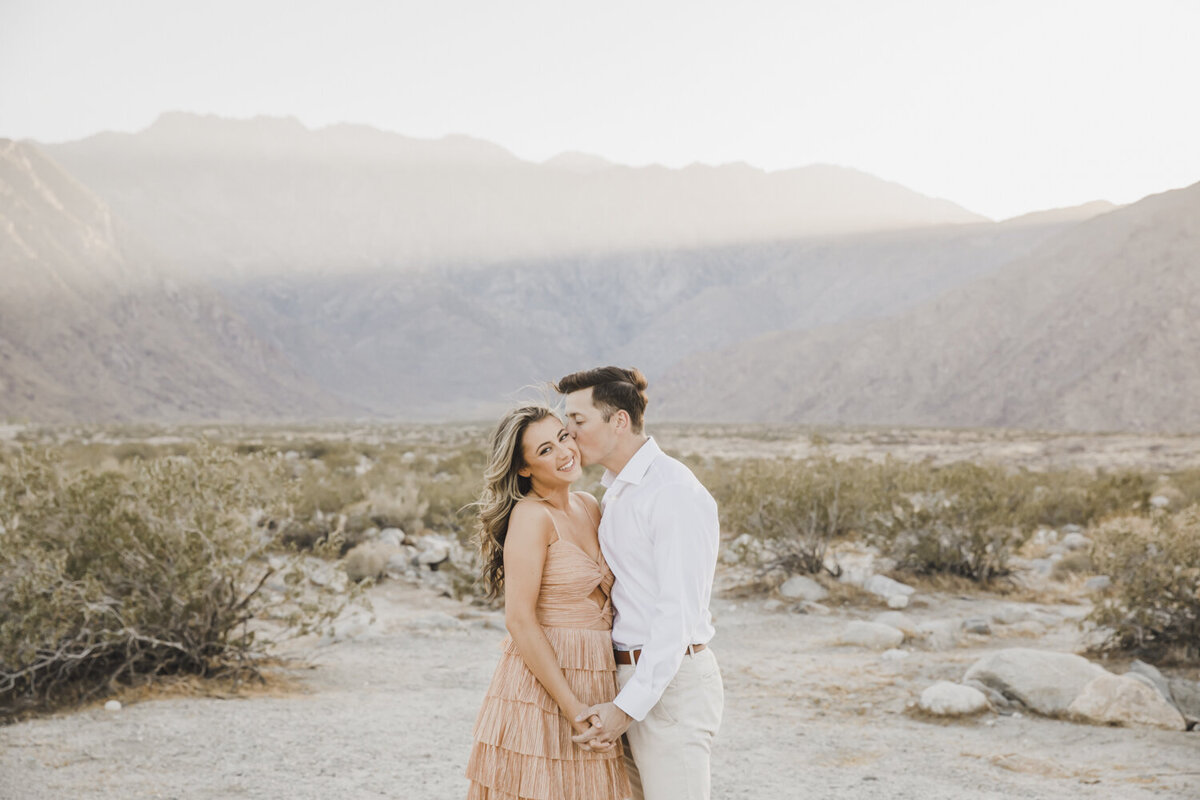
(522, 746)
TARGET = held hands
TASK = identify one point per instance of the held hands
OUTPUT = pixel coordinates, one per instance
(604, 725)
(586, 727)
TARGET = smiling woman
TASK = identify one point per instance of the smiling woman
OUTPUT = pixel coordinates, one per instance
(539, 547)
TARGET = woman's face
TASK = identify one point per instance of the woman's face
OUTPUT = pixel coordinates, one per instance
(551, 455)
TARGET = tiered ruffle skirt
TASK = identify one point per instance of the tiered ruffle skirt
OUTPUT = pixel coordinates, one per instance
(522, 742)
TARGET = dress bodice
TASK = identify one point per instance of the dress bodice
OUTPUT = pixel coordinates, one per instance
(567, 597)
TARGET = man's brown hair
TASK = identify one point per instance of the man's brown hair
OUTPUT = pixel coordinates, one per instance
(613, 389)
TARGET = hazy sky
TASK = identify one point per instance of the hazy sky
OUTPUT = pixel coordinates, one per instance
(1003, 107)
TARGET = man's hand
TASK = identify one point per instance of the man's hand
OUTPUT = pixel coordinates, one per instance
(608, 722)
(589, 726)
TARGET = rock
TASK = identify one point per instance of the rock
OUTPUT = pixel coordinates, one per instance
(996, 699)
(895, 654)
(392, 536)
(1076, 541)
(434, 550)
(952, 700)
(1042, 566)
(800, 587)
(1160, 501)
(900, 621)
(774, 604)
(1044, 681)
(898, 601)
(871, 634)
(776, 576)
(1072, 528)
(367, 560)
(1045, 536)
(1120, 700)
(939, 634)
(979, 625)
(1186, 696)
(744, 549)
(112, 705)
(1009, 613)
(1152, 677)
(886, 587)
(1097, 584)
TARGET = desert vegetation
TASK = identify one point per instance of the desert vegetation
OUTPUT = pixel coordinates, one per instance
(129, 554)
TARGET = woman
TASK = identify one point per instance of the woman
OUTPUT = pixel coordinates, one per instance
(540, 550)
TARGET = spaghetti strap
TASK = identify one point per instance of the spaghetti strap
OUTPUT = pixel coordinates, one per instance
(557, 535)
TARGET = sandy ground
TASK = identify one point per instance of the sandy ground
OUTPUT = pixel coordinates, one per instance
(387, 714)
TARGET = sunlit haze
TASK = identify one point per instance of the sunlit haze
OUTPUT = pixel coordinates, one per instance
(1002, 107)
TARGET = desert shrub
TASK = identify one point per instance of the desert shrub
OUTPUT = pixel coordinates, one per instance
(154, 569)
(449, 488)
(1153, 606)
(961, 519)
(1076, 563)
(800, 508)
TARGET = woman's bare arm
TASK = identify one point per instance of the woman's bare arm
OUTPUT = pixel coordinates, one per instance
(530, 532)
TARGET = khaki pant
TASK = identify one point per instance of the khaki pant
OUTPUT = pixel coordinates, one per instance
(667, 753)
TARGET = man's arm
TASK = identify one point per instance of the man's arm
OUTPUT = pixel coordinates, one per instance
(685, 533)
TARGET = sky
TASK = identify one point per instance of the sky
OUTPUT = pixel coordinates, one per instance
(1004, 106)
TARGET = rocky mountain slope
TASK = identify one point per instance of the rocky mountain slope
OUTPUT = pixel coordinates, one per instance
(248, 197)
(93, 326)
(1098, 328)
(460, 342)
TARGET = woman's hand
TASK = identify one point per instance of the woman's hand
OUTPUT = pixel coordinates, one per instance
(588, 724)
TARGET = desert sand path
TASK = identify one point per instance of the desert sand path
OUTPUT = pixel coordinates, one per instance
(387, 714)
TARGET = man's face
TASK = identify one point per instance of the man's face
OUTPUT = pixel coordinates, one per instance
(595, 437)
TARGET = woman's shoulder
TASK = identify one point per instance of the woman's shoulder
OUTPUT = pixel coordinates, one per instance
(587, 498)
(530, 518)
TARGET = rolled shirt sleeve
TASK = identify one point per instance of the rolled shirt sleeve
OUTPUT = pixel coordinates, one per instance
(685, 533)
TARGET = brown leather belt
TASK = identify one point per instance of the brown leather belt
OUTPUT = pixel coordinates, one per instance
(632, 656)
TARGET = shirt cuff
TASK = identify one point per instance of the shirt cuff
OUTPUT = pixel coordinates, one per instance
(635, 700)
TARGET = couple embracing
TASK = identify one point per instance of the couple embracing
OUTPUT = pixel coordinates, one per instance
(606, 687)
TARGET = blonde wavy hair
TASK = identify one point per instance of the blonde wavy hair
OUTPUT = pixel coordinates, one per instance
(503, 488)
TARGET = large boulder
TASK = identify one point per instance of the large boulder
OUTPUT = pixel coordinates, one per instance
(1149, 674)
(952, 700)
(800, 587)
(883, 586)
(1042, 680)
(871, 634)
(1186, 696)
(1121, 700)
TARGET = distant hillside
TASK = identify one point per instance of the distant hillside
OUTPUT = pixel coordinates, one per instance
(248, 197)
(209, 269)
(91, 327)
(1098, 328)
(458, 342)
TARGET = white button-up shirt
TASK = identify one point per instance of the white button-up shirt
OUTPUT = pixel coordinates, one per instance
(660, 534)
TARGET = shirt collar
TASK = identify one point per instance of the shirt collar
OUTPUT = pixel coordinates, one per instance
(634, 469)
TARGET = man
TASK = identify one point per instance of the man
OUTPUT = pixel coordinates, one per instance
(660, 534)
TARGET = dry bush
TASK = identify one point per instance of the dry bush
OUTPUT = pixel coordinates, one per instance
(961, 519)
(156, 568)
(1153, 606)
(800, 508)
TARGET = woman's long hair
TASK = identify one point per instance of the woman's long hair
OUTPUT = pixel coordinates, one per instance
(502, 489)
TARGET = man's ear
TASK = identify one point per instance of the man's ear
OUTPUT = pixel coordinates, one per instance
(622, 419)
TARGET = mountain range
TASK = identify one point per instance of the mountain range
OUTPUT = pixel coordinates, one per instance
(254, 269)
